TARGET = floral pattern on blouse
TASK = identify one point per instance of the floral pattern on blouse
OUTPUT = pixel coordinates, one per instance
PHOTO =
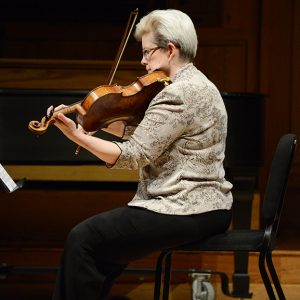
(179, 148)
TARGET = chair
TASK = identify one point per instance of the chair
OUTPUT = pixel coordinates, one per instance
(261, 241)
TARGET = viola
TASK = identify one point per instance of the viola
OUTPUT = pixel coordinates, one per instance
(109, 103)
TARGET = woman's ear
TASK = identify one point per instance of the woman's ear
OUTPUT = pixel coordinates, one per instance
(171, 49)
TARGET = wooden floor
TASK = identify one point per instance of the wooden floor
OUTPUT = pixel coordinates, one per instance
(140, 286)
(183, 292)
(144, 291)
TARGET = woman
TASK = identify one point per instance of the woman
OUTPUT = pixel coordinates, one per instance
(178, 147)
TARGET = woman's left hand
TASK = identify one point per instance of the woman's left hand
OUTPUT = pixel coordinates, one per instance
(69, 127)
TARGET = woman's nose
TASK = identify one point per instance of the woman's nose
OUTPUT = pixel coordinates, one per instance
(144, 61)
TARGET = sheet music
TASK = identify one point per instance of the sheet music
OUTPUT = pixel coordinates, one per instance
(7, 181)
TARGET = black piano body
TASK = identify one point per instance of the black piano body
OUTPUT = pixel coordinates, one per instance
(20, 146)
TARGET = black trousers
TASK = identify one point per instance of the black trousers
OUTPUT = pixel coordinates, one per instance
(98, 249)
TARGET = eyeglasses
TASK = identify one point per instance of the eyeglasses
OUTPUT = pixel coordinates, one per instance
(147, 53)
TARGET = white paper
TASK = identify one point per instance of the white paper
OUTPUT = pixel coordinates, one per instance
(7, 181)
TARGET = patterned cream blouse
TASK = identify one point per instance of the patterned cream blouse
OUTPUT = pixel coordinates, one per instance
(179, 148)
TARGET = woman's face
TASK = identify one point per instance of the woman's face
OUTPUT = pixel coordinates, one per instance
(154, 57)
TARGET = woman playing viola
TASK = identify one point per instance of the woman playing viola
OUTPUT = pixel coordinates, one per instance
(178, 148)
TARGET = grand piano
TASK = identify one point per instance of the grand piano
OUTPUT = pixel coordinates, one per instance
(27, 155)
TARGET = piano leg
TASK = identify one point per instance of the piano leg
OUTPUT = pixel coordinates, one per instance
(243, 192)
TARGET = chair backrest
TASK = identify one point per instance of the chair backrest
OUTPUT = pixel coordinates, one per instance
(277, 181)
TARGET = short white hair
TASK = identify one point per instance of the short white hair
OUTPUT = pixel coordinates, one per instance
(170, 25)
